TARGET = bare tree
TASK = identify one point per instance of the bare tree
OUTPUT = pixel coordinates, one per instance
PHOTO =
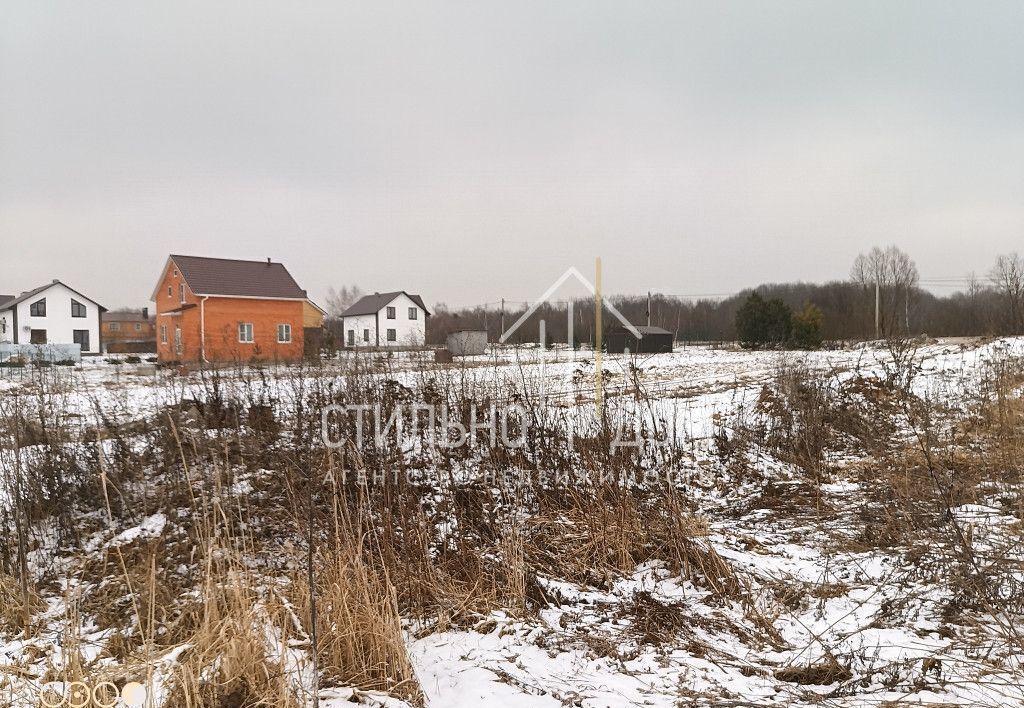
(1008, 278)
(893, 273)
(339, 300)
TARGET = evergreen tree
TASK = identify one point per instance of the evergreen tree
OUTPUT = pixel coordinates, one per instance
(750, 323)
(761, 323)
(778, 318)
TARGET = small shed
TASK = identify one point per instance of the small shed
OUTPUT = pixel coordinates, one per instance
(468, 342)
(653, 340)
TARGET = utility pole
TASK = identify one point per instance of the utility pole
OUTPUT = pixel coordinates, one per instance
(878, 312)
(648, 308)
(906, 304)
(502, 316)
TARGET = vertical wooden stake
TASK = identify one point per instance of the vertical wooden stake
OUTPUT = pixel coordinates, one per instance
(311, 579)
(598, 373)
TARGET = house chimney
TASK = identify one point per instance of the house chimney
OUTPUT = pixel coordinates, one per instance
(268, 261)
(145, 313)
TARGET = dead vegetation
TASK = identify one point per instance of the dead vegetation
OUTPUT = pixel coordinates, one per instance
(281, 567)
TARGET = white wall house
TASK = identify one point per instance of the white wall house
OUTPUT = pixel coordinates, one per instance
(51, 314)
(395, 319)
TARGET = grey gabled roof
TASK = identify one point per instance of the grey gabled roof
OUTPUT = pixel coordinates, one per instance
(371, 304)
(4, 299)
(228, 277)
(14, 300)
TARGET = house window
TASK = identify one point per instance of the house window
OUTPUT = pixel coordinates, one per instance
(138, 327)
(37, 336)
(391, 313)
(413, 313)
(284, 333)
(163, 334)
(175, 272)
(115, 326)
(37, 308)
(81, 338)
(351, 337)
(245, 332)
(77, 309)
(181, 292)
(392, 335)
(366, 335)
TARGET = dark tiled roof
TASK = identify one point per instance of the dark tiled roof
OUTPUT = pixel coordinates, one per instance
(125, 317)
(5, 298)
(14, 300)
(223, 276)
(370, 304)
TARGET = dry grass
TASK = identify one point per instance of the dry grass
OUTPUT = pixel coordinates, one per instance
(358, 624)
(823, 673)
(18, 605)
(228, 663)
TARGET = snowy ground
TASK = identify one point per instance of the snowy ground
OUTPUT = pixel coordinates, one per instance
(651, 638)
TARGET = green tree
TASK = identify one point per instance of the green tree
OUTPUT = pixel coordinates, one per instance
(750, 323)
(778, 318)
(807, 327)
(763, 323)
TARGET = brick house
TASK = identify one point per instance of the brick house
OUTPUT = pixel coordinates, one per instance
(128, 331)
(222, 310)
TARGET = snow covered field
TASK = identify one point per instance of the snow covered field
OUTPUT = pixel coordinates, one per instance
(841, 583)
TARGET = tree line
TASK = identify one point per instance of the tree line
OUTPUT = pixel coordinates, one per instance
(832, 311)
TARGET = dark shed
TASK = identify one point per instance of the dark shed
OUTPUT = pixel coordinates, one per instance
(653, 340)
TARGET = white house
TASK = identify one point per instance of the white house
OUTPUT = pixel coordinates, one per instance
(395, 319)
(51, 314)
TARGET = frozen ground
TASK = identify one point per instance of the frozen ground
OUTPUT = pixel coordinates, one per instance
(875, 622)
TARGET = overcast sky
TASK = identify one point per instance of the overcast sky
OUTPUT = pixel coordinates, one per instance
(472, 151)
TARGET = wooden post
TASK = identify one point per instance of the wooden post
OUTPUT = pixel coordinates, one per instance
(598, 374)
(311, 579)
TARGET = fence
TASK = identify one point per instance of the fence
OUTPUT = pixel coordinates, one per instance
(40, 352)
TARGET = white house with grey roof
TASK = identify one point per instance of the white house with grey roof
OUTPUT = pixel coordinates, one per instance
(395, 319)
(51, 314)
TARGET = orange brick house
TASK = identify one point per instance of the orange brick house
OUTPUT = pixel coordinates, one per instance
(222, 310)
